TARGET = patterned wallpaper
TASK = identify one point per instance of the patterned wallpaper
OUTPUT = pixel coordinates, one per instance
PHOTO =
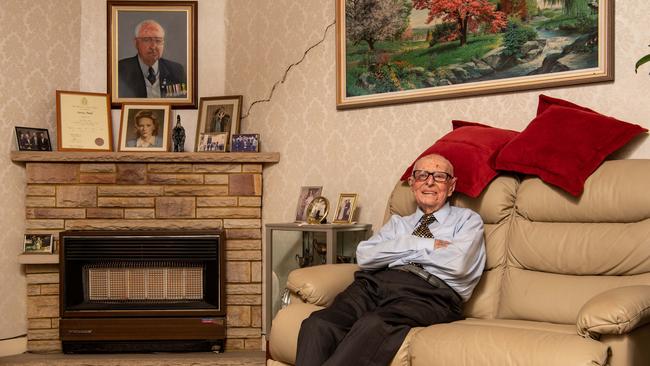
(245, 46)
(366, 150)
(39, 53)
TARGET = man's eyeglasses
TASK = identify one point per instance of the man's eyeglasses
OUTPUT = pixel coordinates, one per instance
(152, 40)
(423, 175)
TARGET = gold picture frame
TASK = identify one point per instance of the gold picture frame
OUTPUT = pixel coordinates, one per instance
(345, 207)
(317, 210)
(83, 121)
(416, 55)
(145, 127)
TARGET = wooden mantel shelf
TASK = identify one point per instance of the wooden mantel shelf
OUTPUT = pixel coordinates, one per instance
(153, 157)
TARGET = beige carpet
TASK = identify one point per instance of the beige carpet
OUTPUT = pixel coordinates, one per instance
(233, 358)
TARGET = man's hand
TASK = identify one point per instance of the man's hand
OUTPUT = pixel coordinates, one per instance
(437, 244)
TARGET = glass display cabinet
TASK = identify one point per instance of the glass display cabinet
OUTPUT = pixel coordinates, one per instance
(294, 245)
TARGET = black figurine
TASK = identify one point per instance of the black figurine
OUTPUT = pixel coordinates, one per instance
(178, 136)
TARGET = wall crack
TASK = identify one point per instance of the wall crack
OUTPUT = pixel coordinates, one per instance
(286, 72)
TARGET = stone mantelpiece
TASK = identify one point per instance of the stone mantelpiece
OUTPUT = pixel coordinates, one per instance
(114, 191)
(144, 157)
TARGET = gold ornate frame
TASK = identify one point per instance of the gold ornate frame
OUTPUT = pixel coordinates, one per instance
(603, 72)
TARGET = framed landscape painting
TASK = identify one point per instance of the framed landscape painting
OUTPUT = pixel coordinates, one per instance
(400, 51)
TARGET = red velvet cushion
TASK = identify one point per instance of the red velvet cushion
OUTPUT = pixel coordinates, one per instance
(545, 101)
(471, 147)
(564, 145)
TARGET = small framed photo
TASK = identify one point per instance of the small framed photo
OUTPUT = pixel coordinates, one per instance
(33, 139)
(307, 194)
(212, 142)
(249, 142)
(345, 208)
(219, 114)
(317, 210)
(38, 243)
(145, 127)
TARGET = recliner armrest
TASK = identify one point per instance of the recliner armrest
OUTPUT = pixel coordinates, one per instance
(319, 285)
(616, 311)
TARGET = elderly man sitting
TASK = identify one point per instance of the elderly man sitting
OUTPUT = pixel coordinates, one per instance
(416, 271)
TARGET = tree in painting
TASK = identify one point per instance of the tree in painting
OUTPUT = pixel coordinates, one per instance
(376, 20)
(467, 15)
(519, 8)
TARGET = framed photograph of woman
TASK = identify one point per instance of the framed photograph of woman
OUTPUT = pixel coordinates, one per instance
(219, 114)
(145, 127)
(152, 48)
(345, 208)
(33, 139)
(307, 194)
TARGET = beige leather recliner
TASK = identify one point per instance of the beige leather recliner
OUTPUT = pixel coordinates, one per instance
(567, 280)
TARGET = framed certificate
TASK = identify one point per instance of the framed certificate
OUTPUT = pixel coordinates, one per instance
(83, 121)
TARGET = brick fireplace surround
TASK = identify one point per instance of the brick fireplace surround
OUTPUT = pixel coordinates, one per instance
(131, 191)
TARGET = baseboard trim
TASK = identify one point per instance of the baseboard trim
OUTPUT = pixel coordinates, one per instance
(13, 346)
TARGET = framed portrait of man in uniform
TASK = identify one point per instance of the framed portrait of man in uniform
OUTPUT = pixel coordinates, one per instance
(152, 48)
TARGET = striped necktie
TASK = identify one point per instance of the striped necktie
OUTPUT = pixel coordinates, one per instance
(422, 230)
(152, 75)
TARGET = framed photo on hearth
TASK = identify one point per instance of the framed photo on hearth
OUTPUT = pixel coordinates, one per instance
(145, 127)
(152, 48)
(219, 114)
(33, 139)
(38, 243)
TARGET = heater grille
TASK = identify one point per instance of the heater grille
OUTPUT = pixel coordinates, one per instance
(124, 282)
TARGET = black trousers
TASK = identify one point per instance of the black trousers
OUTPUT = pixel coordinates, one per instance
(367, 323)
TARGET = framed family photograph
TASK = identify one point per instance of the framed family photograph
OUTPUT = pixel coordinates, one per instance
(409, 51)
(246, 142)
(317, 210)
(33, 139)
(345, 208)
(38, 243)
(152, 50)
(219, 114)
(212, 141)
(145, 127)
(83, 121)
(307, 194)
